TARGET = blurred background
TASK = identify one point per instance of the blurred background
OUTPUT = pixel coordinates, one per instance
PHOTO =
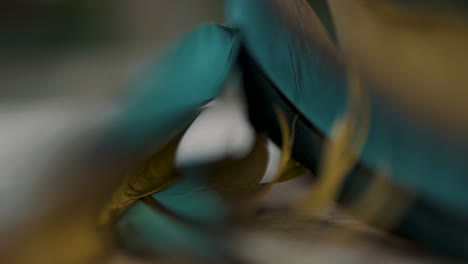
(87, 49)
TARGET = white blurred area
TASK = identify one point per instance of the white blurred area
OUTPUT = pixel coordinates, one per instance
(34, 136)
(222, 130)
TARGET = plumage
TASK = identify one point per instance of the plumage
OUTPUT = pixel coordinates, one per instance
(367, 150)
(168, 95)
(294, 58)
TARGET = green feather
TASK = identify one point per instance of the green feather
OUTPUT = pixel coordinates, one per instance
(288, 59)
(168, 95)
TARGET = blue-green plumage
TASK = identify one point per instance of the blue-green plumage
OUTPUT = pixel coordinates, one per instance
(186, 229)
(165, 99)
(287, 59)
(168, 95)
(315, 82)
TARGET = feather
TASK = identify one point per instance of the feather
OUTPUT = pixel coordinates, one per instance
(162, 103)
(169, 94)
(290, 61)
(190, 216)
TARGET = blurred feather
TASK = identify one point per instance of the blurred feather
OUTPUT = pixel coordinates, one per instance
(182, 91)
(184, 217)
(156, 173)
(180, 88)
(289, 55)
(119, 144)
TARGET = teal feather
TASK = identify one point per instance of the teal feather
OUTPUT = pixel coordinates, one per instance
(168, 95)
(295, 61)
(145, 229)
(313, 81)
